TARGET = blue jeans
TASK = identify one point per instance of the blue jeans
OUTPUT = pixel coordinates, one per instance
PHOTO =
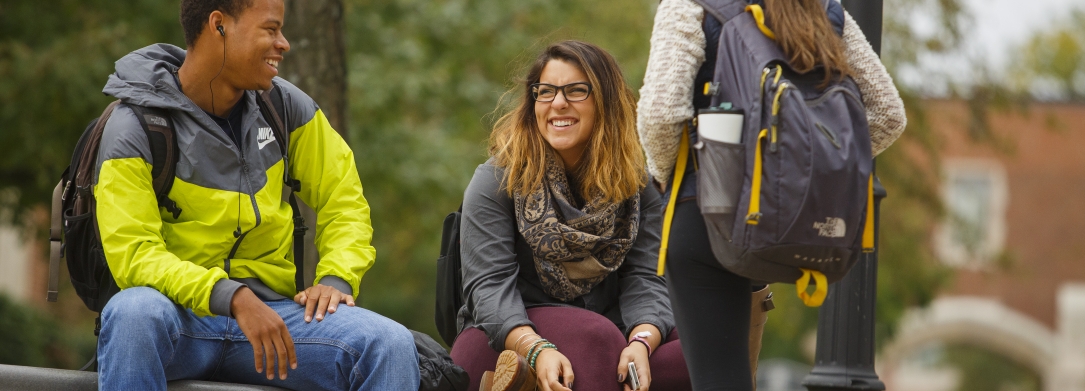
(147, 340)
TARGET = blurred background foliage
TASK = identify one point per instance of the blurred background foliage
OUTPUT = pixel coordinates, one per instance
(425, 78)
(980, 369)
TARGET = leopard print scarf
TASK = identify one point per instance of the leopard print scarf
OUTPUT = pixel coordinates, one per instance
(575, 248)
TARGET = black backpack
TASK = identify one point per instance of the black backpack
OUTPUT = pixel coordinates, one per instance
(73, 201)
(449, 279)
(794, 200)
(436, 370)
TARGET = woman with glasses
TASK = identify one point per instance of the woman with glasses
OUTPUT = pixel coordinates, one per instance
(559, 238)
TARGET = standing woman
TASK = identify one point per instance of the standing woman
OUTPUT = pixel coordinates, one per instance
(560, 236)
(713, 305)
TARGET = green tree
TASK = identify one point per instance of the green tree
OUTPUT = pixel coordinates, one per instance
(981, 369)
(1053, 62)
(33, 338)
(54, 59)
(424, 80)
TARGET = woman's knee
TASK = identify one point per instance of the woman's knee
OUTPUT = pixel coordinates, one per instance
(469, 345)
(577, 324)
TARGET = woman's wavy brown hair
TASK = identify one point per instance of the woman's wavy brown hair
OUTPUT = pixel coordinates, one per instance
(612, 164)
(804, 32)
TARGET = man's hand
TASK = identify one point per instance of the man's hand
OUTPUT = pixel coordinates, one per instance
(266, 332)
(322, 299)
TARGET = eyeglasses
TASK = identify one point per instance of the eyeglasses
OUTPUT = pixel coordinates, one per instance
(574, 92)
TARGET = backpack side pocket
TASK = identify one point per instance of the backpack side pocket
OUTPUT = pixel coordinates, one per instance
(90, 274)
(721, 168)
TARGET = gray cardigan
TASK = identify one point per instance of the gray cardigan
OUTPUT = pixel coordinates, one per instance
(500, 281)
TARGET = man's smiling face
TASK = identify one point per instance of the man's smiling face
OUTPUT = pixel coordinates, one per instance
(255, 45)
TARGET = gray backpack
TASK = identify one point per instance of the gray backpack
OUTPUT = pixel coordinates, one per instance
(790, 202)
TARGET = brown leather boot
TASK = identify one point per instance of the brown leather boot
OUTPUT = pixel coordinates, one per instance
(487, 383)
(512, 373)
(760, 305)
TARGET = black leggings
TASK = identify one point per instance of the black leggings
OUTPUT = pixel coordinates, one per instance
(711, 306)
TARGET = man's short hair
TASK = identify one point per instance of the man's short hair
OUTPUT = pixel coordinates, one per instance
(194, 14)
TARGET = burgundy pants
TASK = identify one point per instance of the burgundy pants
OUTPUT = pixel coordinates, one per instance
(591, 343)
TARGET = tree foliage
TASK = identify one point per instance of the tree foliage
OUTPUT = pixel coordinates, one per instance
(54, 59)
(1053, 62)
(425, 78)
(31, 337)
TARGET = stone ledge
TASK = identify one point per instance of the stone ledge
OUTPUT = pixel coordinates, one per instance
(13, 377)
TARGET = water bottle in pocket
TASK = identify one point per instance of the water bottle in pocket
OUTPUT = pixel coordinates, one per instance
(721, 166)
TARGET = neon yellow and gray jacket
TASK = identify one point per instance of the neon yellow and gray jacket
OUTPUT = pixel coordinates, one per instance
(195, 259)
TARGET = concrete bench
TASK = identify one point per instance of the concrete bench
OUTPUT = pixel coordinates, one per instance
(13, 377)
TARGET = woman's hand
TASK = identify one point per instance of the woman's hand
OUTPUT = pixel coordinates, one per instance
(550, 366)
(636, 353)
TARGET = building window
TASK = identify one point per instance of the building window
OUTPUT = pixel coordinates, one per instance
(974, 229)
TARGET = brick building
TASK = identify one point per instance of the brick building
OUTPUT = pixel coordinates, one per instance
(1014, 233)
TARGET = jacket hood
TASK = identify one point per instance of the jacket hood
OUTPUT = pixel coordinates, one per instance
(145, 78)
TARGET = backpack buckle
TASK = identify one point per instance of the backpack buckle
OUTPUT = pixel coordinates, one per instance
(294, 184)
(753, 218)
(64, 193)
(170, 206)
(711, 88)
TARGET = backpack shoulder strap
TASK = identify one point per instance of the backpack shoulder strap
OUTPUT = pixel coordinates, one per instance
(723, 10)
(276, 96)
(835, 12)
(274, 111)
(55, 246)
(158, 126)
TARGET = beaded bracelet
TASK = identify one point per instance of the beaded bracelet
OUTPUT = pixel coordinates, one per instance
(535, 355)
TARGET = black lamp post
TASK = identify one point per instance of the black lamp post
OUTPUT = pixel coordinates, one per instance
(844, 359)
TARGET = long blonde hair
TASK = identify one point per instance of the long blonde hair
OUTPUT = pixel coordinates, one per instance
(613, 162)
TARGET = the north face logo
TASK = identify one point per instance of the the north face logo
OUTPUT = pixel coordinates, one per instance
(156, 120)
(833, 227)
(265, 137)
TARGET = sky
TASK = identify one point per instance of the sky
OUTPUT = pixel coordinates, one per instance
(1003, 24)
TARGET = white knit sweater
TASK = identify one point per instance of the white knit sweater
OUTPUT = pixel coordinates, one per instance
(677, 51)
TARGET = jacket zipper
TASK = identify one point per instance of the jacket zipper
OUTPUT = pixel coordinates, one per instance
(255, 209)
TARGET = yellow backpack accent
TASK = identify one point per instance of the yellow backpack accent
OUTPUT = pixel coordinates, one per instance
(820, 291)
(759, 16)
(868, 228)
(676, 182)
(754, 214)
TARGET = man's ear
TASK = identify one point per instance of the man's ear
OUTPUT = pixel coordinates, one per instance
(215, 21)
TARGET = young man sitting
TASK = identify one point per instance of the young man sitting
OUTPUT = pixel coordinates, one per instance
(228, 252)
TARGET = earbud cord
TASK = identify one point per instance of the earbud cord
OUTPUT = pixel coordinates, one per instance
(209, 86)
(237, 232)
